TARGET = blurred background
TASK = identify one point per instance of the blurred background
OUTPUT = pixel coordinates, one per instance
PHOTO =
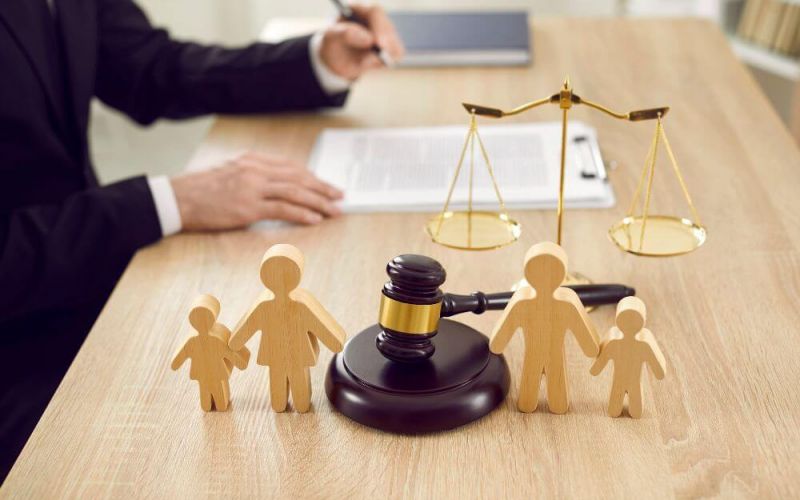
(755, 29)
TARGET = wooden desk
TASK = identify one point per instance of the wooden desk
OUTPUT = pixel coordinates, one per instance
(724, 421)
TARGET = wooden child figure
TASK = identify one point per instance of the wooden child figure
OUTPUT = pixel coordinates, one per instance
(545, 311)
(212, 358)
(290, 320)
(629, 345)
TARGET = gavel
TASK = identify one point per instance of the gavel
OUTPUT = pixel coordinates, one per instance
(412, 304)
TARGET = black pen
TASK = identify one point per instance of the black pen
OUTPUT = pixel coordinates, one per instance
(347, 13)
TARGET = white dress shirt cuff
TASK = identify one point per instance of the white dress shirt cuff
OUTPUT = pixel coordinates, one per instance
(330, 82)
(166, 205)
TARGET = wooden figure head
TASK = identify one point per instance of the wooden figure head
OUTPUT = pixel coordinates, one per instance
(204, 313)
(282, 268)
(631, 315)
(545, 266)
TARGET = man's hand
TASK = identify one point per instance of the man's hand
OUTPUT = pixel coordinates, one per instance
(250, 188)
(346, 46)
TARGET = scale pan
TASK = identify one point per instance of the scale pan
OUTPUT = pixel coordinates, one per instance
(664, 236)
(476, 231)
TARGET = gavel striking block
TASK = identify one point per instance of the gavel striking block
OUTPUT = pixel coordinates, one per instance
(414, 372)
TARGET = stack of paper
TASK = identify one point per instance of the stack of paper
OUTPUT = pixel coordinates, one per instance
(410, 169)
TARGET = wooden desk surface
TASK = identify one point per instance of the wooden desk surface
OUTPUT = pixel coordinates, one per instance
(726, 420)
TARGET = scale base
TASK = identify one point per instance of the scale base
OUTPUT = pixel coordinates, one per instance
(461, 382)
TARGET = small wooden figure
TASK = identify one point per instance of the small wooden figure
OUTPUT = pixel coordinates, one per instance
(212, 358)
(630, 346)
(290, 320)
(545, 311)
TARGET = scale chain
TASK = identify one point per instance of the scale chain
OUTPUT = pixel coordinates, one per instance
(645, 168)
(650, 183)
(679, 176)
(467, 141)
(491, 175)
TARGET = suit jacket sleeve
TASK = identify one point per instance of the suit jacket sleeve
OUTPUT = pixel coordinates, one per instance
(147, 75)
(59, 256)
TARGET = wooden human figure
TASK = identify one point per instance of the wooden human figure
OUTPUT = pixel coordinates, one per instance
(290, 320)
(629, 345)
(212, 360)
(545, 311)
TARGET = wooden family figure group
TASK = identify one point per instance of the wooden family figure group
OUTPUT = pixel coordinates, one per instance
(545, 311)
(292, 322)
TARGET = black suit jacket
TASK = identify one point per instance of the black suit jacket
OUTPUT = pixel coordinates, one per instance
(64, 240)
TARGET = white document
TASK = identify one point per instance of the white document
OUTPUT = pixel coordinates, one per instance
(410, 169)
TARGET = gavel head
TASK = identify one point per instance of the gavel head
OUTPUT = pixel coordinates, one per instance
(411, 305)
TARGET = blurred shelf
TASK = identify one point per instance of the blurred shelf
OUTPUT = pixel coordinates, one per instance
(772, 62)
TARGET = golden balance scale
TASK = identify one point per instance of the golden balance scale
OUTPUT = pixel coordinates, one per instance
(484, 230)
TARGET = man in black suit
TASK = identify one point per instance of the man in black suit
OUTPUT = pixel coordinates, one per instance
(65, 240)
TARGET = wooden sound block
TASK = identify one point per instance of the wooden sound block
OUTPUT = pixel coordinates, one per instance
(461, 382)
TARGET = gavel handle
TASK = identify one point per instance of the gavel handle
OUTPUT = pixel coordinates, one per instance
(478, 302)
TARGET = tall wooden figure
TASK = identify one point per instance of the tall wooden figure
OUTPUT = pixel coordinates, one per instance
(629, 345)
(212, 359)
(290, 320)
(545, 311)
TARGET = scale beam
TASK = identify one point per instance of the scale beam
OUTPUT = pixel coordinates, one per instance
(499, 113)
(633, 116)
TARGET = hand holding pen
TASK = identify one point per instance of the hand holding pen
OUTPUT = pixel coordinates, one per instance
(363, 38)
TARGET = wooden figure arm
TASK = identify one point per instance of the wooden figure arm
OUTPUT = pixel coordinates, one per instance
(654, 357)
(181, 357)
(509, 322)
(580, 324)
(601, 361)
(239, 358)
(321, 323)
(246, 328)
